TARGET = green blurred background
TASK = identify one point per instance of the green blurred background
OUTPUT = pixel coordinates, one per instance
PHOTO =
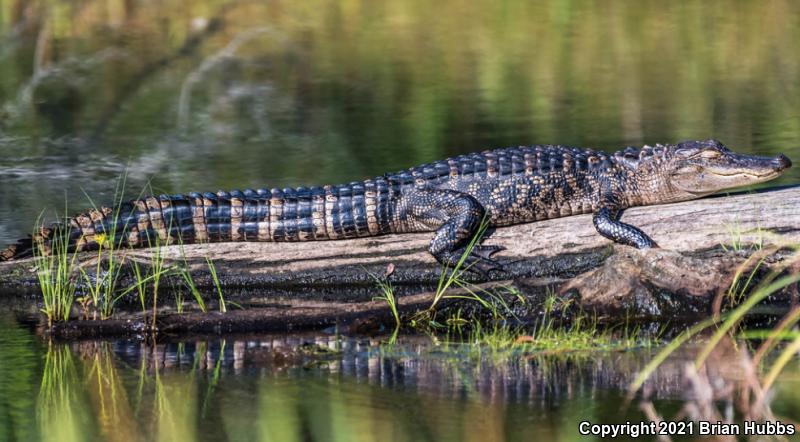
(206, 95)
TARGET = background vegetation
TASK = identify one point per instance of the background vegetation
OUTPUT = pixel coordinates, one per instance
(200, 95)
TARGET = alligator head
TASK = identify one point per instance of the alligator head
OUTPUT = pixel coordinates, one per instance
(693, 169)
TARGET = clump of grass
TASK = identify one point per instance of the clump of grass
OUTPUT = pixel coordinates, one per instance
(387, 293)
(139, 284)
(490, 300)
(738, 238)
(212, 269)
(55, 273)
(57, 270)
(501, 341)
(198, 297)
(179, 301)
(102, 286)
(448, 277)
(184, 273)
(157, 270)
(740, 285)
(550, 334)
(452, 285)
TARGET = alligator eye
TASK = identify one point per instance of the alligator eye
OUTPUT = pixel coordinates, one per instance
(710, 154)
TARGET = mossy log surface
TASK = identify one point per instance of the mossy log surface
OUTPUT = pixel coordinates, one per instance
(702, 244)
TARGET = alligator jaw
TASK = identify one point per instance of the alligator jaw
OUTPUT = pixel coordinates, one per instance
(765, 168)
(703, 176)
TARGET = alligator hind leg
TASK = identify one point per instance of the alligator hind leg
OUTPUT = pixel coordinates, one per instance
(457, 218)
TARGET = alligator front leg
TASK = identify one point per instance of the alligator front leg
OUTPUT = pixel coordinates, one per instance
(606, 221)
(457, 218)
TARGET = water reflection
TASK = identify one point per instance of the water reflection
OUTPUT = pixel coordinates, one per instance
(60, 408)
(323, 387)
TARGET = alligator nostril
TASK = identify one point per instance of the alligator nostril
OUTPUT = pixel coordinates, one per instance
(782, 162)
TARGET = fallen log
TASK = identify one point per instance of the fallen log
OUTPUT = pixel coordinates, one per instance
(266, 316)
(703, 243)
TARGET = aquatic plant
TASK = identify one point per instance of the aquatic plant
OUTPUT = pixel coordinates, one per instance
(740, 286)
(139, 284)
(387, 293)
(57, 268)
(499, 341)
(157, 270)
(188, 281)
(103, 284)
(55, 274)
(741, 240)
(491, 300)
(212, 269)
(752, 397)
(449, 277)
(725, 323)
(452, 284)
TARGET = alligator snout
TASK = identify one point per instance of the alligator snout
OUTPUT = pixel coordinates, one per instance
(781, 162)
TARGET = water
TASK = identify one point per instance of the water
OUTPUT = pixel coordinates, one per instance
(317, 386)
(205, 95)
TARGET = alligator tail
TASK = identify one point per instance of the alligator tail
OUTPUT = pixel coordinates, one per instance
(358, 209)
(46, 239)
(22, 249)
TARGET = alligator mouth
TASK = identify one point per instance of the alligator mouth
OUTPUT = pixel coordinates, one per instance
(766, 174)
(744, 171)
(772, 168)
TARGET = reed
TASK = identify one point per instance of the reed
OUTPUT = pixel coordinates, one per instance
(55, 272)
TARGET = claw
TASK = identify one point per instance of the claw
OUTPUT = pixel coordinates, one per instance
(486, 252)
(483, 265)
(478, 261)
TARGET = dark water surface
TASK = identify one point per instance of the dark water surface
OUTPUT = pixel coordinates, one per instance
(205, 95)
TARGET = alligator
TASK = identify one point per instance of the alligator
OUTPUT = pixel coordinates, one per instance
(452, 198)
